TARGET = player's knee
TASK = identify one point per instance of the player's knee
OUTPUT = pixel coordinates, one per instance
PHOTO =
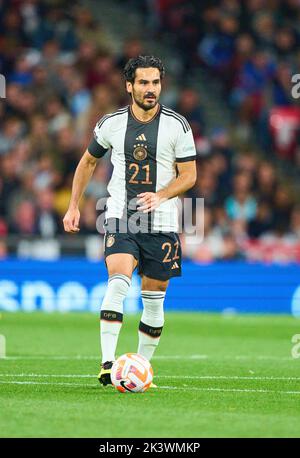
(114, 267)
(151, 284)
(120, 270)
(120, 264)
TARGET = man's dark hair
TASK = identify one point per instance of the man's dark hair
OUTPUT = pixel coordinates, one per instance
(142, 62)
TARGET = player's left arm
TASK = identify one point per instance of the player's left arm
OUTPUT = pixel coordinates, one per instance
(183, 182)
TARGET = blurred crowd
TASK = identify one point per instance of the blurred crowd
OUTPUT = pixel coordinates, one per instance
(252, 48)
(62, 75)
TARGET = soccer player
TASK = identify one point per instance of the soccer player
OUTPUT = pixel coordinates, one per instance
(153, 155)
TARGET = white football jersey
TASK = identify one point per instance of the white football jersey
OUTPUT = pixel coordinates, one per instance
(144, 156)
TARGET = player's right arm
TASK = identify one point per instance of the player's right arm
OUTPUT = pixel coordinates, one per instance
(81, 178)
(98, 146)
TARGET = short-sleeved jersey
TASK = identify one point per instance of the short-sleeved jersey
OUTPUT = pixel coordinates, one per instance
(144, 157)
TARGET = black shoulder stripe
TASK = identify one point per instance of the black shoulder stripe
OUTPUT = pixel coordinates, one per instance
(104, 118)
(108, 116)
(121, 111)
(123, 108)
(174, 112)
(178, 119)
(178, 116)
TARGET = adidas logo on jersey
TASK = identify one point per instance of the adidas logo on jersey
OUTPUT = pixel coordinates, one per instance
(141, 137)
(175, 266)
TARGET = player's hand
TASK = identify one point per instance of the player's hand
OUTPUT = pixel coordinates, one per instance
(71, 221)
(149, 201)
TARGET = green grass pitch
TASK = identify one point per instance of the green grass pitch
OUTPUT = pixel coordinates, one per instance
(218, 376)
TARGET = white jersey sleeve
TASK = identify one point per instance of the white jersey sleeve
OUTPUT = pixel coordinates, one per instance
(185, 146)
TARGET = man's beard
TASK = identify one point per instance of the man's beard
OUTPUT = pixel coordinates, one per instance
(143, 105)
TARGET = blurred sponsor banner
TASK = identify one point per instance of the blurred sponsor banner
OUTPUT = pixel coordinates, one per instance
(64, 285)
(79, 285)
(272, 250)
